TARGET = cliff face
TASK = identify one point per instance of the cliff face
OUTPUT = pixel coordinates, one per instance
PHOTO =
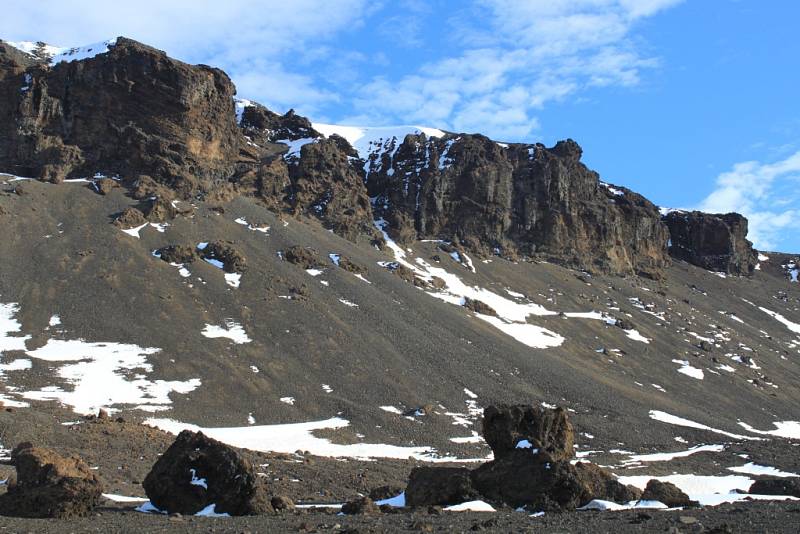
(712, 241)
(165, 129)
(516, 200)
(129, 111)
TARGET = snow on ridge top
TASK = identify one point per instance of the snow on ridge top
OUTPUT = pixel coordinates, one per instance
(240, 104)
(361, 137)
(665, 211)
(57, 54)
(36, 49)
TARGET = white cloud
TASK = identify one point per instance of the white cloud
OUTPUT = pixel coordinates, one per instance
(523, 54)
(755, 190)
(488, 67)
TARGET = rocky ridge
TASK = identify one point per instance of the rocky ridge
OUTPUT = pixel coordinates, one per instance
(168, 130)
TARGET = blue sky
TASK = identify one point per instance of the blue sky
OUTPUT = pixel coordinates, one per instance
(692, 103)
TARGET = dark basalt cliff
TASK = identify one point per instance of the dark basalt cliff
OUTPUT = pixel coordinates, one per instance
(517, 200)
(130, 111)
(712, 241)
(167, 129)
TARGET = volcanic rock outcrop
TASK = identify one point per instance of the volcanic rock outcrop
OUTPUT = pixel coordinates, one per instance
(129, 111)
(49, 485)
(171, 130)
(715, 242)
(531, 467)
(516, 199)
(197, 472)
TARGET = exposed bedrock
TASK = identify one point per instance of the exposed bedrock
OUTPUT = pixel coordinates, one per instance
(516, 200)
(717, 242)
(172, 130)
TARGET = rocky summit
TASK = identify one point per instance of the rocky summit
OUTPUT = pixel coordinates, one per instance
(216, 316)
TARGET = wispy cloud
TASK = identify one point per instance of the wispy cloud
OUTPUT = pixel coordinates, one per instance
(520, 56)
(765, 193)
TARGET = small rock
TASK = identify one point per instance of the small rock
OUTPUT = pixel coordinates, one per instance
(667, 493)
(105, 185)
(281, 502)
(361, 506)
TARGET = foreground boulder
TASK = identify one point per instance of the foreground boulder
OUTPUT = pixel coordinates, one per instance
(49, 485)
(712, 241)
(597, 481)
(197, 471)
(539, 481)
(776, 486)
(440, 486)
(532, 449)
(667, 493)
(360, 506)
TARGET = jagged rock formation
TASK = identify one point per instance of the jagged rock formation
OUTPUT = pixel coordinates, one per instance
(49, 485)
(532, 451)
(515, 199)
(712, 241)
(327, 184)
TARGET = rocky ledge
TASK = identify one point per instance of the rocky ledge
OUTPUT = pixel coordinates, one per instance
(712, 241)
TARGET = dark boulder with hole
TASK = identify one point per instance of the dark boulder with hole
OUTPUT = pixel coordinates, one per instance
(532, 450)
(197, 471)
(717, 242)
(49, 485)
(550, 431)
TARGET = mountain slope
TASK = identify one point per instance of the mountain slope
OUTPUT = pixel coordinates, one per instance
(181, 257)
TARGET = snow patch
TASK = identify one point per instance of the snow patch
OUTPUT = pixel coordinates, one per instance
(98, 375)
(231, 330)
(664, 417)
(688, 370)
(471, 506)
(783, 429)
(288, 438)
